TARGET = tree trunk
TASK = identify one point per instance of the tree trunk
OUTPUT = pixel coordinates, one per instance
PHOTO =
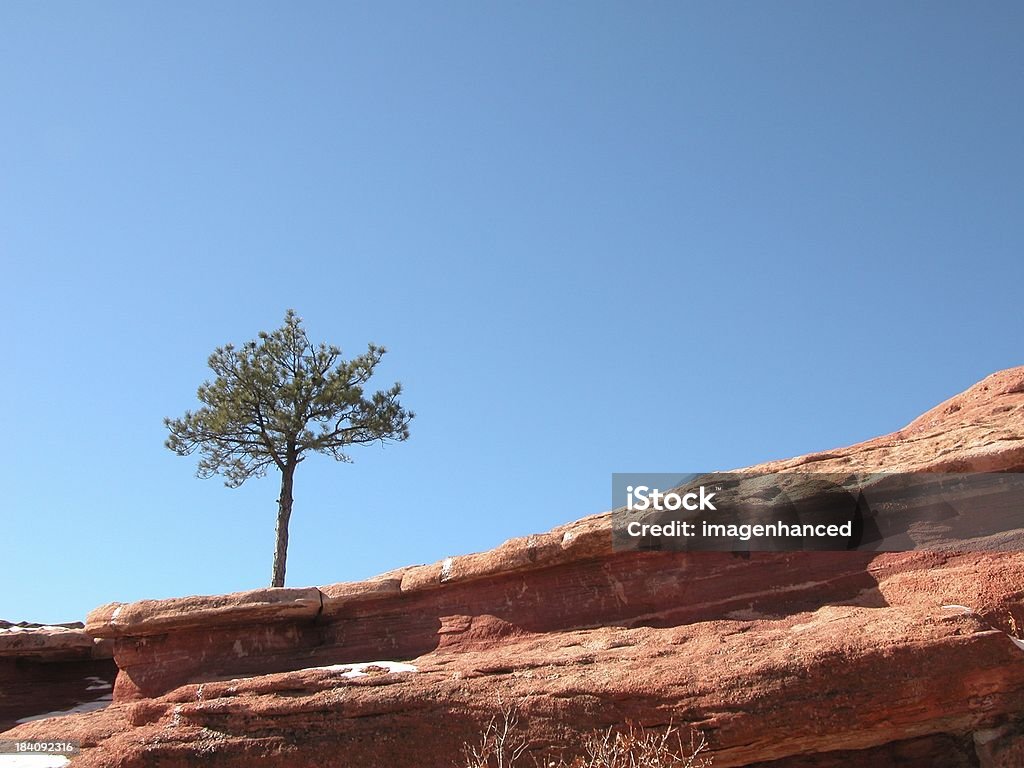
(284, 514)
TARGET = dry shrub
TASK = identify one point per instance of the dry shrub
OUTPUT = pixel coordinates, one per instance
(638, 747)
(502, 745)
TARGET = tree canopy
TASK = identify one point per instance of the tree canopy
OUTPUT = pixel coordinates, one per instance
(275, 400)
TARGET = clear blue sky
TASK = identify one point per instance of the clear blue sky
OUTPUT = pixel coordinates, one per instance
(595, 237)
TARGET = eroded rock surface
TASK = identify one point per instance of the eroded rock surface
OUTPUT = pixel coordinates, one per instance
(51, 668)
(789, 660)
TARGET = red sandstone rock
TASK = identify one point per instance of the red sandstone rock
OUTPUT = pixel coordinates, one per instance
(789, 660)
(979, 430)
(46, 641)
(1000, 747)
(337, 596)
(154, 617)
(50, 668)
(838, 678)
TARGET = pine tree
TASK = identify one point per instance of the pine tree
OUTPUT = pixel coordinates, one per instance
(277, 399)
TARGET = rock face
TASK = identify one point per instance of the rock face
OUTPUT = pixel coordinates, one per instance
(51, 668)
(789, 660)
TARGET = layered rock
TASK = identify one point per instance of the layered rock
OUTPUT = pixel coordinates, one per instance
(979, 430)
(51, 668)
(782, 659)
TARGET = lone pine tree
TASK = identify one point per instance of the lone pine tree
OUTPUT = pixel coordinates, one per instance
(277, 399)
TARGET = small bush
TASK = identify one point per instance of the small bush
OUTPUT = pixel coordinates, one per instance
(502, 745)
(637, 747)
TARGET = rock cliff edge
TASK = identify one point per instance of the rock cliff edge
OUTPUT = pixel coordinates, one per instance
(788, 660)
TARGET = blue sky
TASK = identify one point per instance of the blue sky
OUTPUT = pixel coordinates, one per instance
(595, 237)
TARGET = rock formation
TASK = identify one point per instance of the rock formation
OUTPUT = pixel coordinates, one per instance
(51, 668)
(788, 660)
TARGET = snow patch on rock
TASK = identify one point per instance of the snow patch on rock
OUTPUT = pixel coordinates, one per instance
(88, 706)
(33, 761)
(359, 670)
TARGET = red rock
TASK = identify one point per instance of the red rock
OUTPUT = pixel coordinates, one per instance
(1000, 747)
(154, 617)
(979, 430)
(45, 641)
(50, 668)
(336, 597)
(788, 660)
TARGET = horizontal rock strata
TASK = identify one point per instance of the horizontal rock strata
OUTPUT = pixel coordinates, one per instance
(788, 660)
(51, 668)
